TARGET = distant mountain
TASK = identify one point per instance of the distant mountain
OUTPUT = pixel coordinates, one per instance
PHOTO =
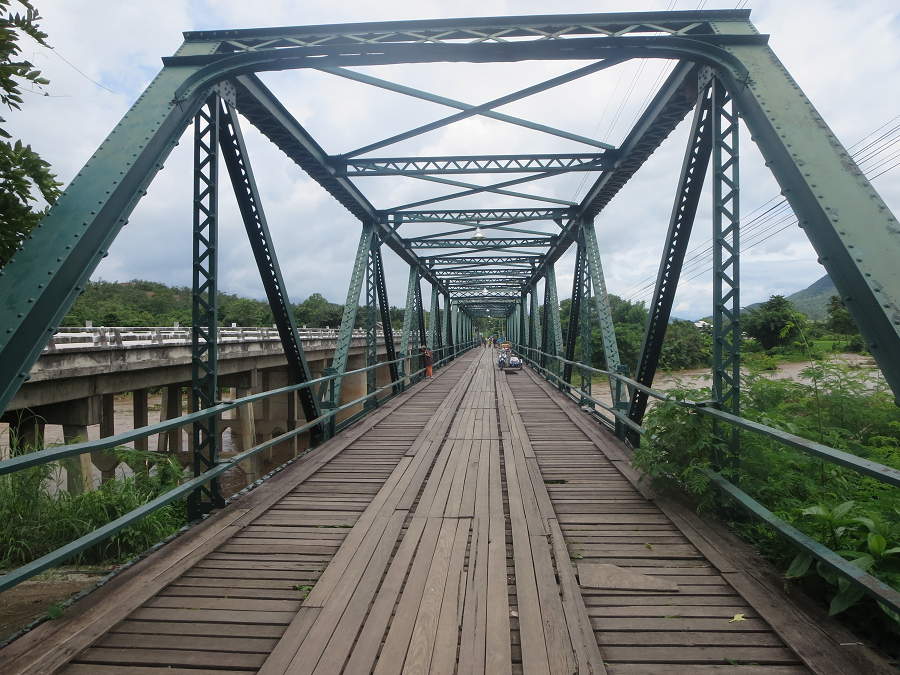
(813, 300)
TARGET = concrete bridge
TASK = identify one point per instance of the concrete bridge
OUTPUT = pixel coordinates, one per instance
(81, 370)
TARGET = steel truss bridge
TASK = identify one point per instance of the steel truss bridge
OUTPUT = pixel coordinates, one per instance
(478, 262)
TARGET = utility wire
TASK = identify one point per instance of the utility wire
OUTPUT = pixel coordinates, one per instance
(760, 229)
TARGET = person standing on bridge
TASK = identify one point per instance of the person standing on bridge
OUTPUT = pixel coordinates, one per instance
(429, 360)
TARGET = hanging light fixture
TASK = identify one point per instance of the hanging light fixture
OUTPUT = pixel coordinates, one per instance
(479, 235)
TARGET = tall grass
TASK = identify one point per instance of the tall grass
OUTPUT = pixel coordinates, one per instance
(37, 517)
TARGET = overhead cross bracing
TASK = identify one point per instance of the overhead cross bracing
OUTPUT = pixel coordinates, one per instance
(470, 193)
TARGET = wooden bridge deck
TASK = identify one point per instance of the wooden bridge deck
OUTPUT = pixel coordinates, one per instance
(448, 532)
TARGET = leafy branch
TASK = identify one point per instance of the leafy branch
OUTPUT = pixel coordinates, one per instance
(22, 171)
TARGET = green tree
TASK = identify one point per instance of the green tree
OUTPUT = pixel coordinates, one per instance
(773, 323)
(685, 346)
(22, 171)
(317, 312)
(244, 312)
(839, 318)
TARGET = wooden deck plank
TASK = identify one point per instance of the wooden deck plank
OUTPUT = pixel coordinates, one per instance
(444, 657)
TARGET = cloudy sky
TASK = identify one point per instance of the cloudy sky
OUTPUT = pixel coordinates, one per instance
(845, 56)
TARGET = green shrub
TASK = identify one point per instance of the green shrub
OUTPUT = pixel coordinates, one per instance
(37, 517)
(837, 405)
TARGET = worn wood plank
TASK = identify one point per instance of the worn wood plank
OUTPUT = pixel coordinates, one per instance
(444, 657)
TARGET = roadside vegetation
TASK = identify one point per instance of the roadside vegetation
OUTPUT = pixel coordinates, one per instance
(835, 403)
(37, 515)
(772, 332)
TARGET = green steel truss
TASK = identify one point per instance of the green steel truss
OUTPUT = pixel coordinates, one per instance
(484, 259)
(681, 222)
(204, 345)
(726, 382)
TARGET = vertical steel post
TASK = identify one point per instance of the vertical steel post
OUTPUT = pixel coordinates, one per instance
(433, 332)
(529, 323)
(437, 347)
(726, 263)
(555, 327)
(345, 334)
(204, 307)
(369, 324)
(535, 322)
(545, 326)
(604, 310)
(584, 322)
(575, 308)
(408, 315)
(522, 337)
(448, 327)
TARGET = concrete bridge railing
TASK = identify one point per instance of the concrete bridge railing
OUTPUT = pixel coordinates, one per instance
(122, 337)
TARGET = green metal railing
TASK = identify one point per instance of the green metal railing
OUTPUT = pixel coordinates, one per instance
(49, 455)
(844, 568)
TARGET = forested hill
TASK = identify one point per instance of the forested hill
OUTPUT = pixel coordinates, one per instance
(813, 300)
(147, 303)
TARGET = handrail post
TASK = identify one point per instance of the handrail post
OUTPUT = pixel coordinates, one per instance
(621, 403)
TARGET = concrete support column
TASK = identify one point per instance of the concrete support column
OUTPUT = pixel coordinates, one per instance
(106, 461)
(383, 378)
(170, 441)
(79, 470)
(140, 416)
(248, 436)
(353, 386)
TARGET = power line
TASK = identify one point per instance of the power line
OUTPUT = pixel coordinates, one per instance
(872, 153)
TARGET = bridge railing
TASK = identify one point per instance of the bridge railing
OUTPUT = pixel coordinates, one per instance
(856, 576)
(142, 336)
(55, 454)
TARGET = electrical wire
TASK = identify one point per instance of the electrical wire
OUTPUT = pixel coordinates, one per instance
(870, 157)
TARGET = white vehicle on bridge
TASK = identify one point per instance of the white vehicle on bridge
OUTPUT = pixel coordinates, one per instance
(506, 358)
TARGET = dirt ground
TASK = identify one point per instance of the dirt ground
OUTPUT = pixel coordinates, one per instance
(30, 600)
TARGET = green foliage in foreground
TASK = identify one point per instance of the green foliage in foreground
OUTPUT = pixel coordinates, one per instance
(857, 516)
(35, 519)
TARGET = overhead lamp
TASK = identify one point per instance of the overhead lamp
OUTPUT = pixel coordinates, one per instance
(479, 235)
